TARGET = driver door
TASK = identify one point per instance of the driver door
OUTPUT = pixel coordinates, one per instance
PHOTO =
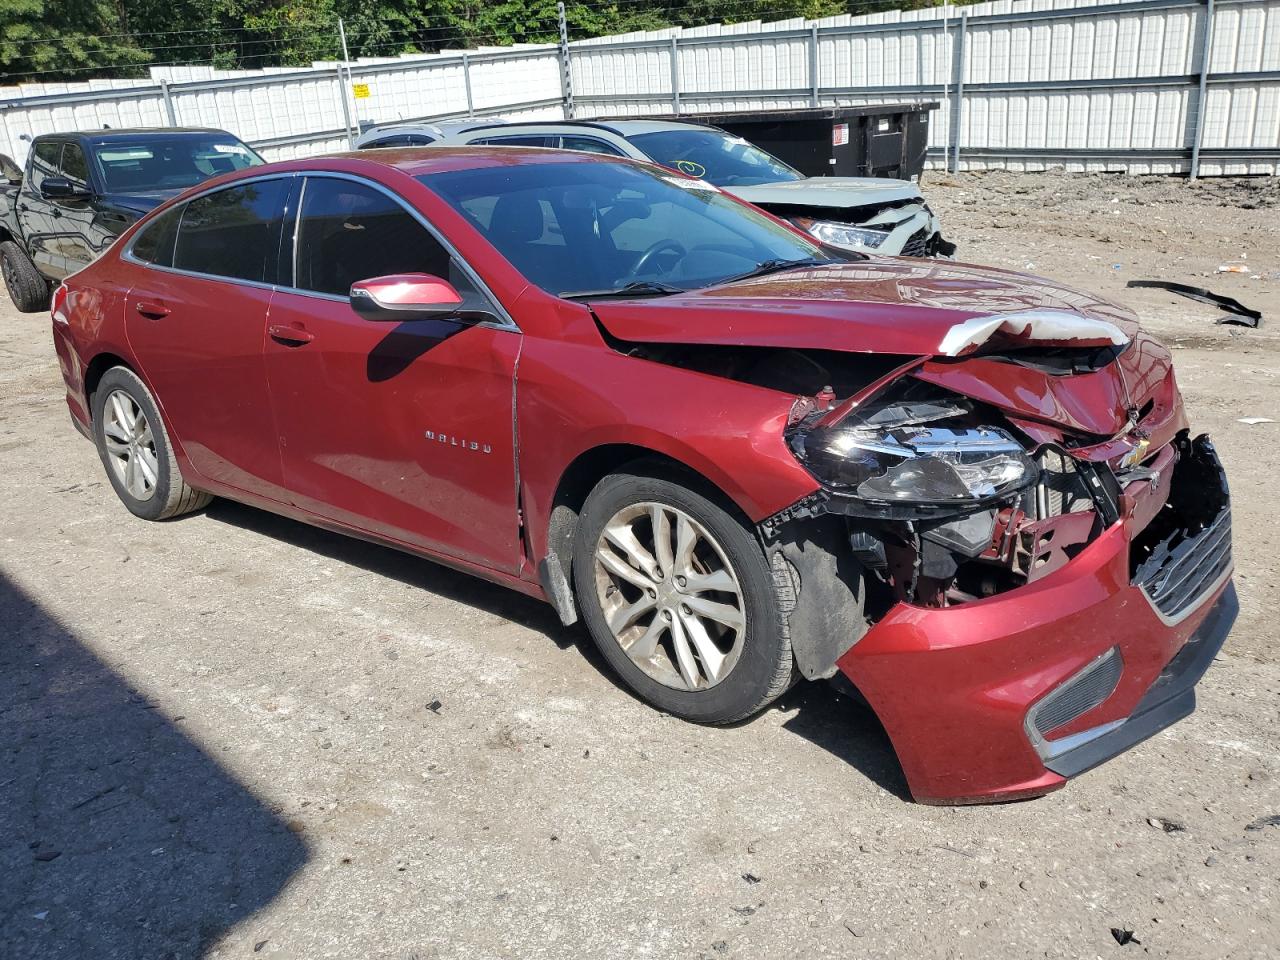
(80, 233)
(404, 430)
(35, 212)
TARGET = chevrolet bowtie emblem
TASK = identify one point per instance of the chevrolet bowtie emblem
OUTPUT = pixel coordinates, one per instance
(1136, 455)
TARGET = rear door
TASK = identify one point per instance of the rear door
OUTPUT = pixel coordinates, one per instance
(404, 430)
(197, 320)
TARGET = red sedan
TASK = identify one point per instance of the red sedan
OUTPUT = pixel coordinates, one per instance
(739, 457)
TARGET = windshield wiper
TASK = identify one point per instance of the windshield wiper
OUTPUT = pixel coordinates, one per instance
(637, 288)
(776, 266)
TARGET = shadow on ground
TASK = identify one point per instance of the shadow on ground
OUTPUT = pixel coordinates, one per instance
(845, 729)
(423, 574)
(119, 836)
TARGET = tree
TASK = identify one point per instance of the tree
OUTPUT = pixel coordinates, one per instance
(78, 39)
(63, 39)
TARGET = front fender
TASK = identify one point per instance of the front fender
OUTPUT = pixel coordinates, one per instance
(576, 397)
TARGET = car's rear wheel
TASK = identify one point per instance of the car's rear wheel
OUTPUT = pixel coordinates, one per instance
(678, 596)
(136, 451)
(27, 289)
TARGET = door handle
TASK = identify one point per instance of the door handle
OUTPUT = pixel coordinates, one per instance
(290, 335)
(151, 309)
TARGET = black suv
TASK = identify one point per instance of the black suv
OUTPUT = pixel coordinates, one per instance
(81, 190)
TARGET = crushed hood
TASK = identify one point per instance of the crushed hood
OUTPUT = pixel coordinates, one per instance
(928, 309)
(835, 192)
(910, 307)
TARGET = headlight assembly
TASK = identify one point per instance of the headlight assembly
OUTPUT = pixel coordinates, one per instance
(922, 457)
(843, 235)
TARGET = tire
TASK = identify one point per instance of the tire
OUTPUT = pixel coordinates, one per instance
(137, 455)
(736, 671)
(27, 289)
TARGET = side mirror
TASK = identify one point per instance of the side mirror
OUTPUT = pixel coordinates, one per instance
(60, 188)
(405, 296)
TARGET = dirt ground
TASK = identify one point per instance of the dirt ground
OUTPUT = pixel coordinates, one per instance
(232, 735)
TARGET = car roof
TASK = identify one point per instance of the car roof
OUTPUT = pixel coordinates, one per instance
(411, 161)
(434, 127)
(416, 161)
(102, 136)
(622, 128)
(628, 128)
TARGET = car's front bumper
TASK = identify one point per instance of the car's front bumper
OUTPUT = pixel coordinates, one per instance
(957, 688)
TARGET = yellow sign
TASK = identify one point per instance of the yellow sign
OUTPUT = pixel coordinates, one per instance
(361, 90)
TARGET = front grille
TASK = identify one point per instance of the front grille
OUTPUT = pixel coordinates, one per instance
(917, 244)
(1086, 690)
(1185, 566)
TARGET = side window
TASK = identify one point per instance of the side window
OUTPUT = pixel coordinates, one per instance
(588, 145)
(527, 140)
(234, 232)
(74, 166)
(349, 231)
(45, 162)
(155, 241)
(399, 140)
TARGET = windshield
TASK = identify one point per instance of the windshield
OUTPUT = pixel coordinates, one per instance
(575, 227)
(715, 156)
(170, 164)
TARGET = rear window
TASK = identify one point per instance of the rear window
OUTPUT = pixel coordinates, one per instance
(521, 140)
(170, 164)
(399, 140)
(233, 233)
(155, 241)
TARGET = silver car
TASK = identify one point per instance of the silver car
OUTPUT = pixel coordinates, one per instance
(867, 214)
(415, 133)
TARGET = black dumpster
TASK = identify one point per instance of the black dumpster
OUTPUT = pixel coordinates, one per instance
(877, 140)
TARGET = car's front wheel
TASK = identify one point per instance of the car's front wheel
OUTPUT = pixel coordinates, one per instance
(136, 451)
(678, 596)
(27, 289)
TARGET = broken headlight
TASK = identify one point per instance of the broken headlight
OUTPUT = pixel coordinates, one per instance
(843, 235)
(914, 454)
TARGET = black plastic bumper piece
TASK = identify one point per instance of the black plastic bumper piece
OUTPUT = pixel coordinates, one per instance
(1170, 698)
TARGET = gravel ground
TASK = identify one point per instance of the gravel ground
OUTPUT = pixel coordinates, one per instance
(233, 734)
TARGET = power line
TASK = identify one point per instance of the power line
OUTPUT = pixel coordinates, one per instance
(597, 6)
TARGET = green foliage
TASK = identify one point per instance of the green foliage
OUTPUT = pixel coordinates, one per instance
(50, 40)
(63, 36)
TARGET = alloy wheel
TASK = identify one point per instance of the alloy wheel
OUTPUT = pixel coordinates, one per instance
(131, 446)
(670, 596)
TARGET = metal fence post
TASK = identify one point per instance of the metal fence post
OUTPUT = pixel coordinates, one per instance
(1206, 50)
(813, 65)
(957, 107)
(566, 65)
(675, 74)
(466, 82)
(346, 108)
(168, 103)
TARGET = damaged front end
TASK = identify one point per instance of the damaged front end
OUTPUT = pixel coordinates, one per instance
(931, 483)
(1071, 567)
(1012, 547)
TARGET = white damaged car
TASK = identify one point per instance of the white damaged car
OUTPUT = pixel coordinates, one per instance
(867, 214)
